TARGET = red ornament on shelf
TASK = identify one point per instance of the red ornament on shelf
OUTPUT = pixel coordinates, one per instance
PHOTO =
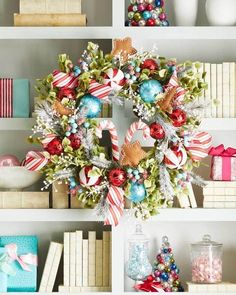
(157, 131)
(149, 64)
(117, 176)
(54, 147)
(178, 118)
(150, 22)
(74, 141)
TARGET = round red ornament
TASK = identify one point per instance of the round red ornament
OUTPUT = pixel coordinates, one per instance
(149, 64)
(178, 117)
(87, 180)
(134, 24)
(149, 7)
(150, 22)
(66, 92)
(54, 147)
(130, 8)
(74, 141)
(157, 131)
(117, 176)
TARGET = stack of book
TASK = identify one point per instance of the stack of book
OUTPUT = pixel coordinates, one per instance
(211, 288)
(221, 92)
(87, 263)
(50, 13)
(219, 194)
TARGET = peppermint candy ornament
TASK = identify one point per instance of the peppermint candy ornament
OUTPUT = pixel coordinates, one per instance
(114, 78)
(175, 159)
(87, 180)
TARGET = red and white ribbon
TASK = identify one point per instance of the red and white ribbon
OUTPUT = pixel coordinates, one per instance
(100, 90)
(6, 98)
(35, 161)
(180, 92)
(109, 125)
(199, 145)
(23, 260)
(49, 137)
(115, 199)
(61, 79)
(139, 125)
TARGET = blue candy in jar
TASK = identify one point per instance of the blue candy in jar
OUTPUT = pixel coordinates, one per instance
(92, 104)
(149, 90)
(137, 192)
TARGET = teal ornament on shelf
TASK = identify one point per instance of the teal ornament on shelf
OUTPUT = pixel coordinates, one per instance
(92, 104)
(149, 90)
(137, 192)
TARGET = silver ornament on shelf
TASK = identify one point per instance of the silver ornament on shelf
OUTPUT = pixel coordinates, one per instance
(142, 23)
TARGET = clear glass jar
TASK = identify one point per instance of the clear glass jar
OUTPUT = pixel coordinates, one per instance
(206, 258)
(138, 266)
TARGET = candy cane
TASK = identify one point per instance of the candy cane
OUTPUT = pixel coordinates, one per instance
(139, 125)
(61, 79)
(100, 90)
(109, 125)
(35, 161)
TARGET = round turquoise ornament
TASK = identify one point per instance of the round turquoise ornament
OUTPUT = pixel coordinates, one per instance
(149, 90)
(146, 15)
(92, 104)
(137, 192)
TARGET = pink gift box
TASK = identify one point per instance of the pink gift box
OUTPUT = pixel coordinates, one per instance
(223, 164)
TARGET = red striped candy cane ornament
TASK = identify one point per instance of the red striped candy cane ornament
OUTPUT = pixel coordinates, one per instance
(139, 125)
(115, 200)
(109, 125)
(100, 90)
(35, 161)
(114, 78)
(61, 79)
(199, 146)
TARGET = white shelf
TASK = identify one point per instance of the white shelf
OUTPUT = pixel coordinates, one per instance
(77, 215)
(164, 33)
(219, 124)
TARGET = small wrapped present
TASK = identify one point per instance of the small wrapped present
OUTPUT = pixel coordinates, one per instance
(21, 252)
(14, 98)
(149, 285)
(6, 269)
(223, 164)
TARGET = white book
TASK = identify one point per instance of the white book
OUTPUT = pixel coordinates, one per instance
(232, 89)
(63, 289)
(48, 267)
(213, 91)
(226, 97)
(106, 258)
(79, 258)
(85, 263)
(72, 259)
(110, 261)
(208, 97)
(66, 268)
(201, 71)
(219, 90)
(92, 258)
(99, 269)
(54, 269)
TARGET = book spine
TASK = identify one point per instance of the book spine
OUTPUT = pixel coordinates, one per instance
(191, 196)
(106, 256)
(72, 259)
(85, 263)
(219, 81)
(32, 6)
(208, 90)
(226, 98)
(232, 89)
(66, 259)
(110, 260)
(79, 258)
(48, 267)
(213, 92)
(92, 258)
(99, 269)
(54, 269)
(50, 20)
(50, 6)
(60, 199)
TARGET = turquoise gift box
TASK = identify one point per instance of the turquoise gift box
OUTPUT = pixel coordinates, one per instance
(26, 256)
(14, 98)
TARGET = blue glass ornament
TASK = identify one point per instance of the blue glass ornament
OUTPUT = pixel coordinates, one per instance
(146, 15)
(164, 276)
(137, 192)
(77, 71)
(165, 23)
(92, 104)
(165, 250)
(158, 3)
(149, 90)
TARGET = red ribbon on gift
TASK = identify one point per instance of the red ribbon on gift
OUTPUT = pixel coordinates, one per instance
(149, 285)
(227, 154)
(6, 98)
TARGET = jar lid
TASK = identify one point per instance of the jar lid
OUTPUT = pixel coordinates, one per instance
(207, 242)
(138, 235)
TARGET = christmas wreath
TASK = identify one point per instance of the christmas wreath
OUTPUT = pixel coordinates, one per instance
(165, 97)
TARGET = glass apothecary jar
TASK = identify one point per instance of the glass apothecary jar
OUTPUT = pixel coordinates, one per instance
(206, 258)
(138, 266)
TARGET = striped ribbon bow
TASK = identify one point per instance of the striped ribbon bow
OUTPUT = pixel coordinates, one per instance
(61, 79)
(35, 161)
(100, 90)
(115, 199)
(180, 92)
